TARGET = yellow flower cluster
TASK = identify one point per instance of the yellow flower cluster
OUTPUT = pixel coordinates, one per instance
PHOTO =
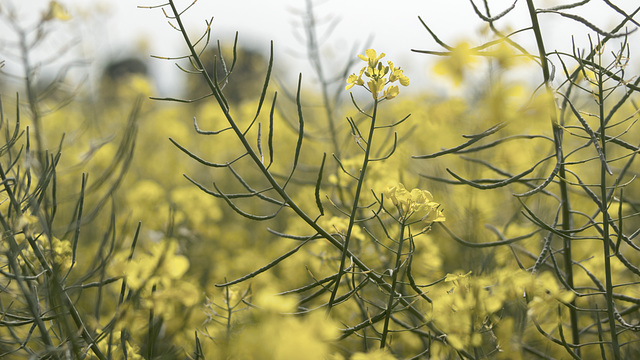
(118, 347)
(286, 337)
(460, 58)
(377, 72)
(158, 274)
(467, 308)
(415, 205)
(56, 251)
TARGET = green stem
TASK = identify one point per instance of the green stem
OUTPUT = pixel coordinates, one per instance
(605, 222)
(32, 96)
(285, 196)
(55, 282)
(564, 194)
(394, 283)
(354, 208)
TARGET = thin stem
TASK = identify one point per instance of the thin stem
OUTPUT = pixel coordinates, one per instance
(314, 57)
(354, 208)
(283, 193)
(31, 95)
(605, 221)
(566, 221)
(394, 283)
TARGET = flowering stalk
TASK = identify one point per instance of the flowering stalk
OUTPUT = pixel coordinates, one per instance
(415, 206)
(564, 195)
(377, 74)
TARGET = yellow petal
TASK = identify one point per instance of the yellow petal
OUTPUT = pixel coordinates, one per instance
(57, 11)
(391, 92)
(371, 54)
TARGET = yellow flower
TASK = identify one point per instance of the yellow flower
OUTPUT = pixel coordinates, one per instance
(377, 73)
(454, 65)
(161, 265)
(132, 350)
(56, 11)
(375, 86)
(27, 222)
(415, 205)
(456, 277)
(372, 58)
(397, 74)
(379, 354)
(355, 80)
(504, 55)
(62, 253)
(546, 295)
(391, 92)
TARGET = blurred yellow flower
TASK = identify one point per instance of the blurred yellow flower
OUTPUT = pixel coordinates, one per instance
(455, 277)
(547, 294)
(284, 336)
(415, 205)
(114, 347)
(504, 55)
(454, 65)
(56, 251)
(340, 225)
(26, 222)
(379, 354)
(62, 253)
(159, 266)
(56, 11)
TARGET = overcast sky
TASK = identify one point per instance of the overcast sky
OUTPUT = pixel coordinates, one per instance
(117, 28)
(343, 26)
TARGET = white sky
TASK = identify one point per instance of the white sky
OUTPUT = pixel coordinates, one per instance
(119, 28)
(393, 29)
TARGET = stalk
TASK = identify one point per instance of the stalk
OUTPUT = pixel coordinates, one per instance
(394, 282)
(564, 195)
(605, 220)
(354, 208)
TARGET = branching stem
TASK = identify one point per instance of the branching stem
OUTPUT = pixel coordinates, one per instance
(354, 208)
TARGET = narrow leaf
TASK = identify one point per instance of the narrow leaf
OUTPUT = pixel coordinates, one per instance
(318, 183)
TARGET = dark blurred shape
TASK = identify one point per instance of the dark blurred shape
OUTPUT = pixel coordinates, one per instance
(120, 69)
(117, 75)
(245, 81)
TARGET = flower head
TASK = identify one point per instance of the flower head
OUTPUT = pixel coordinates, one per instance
(379, 76)
(415, 205)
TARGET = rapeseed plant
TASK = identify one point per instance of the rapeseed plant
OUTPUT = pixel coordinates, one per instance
(108, 252)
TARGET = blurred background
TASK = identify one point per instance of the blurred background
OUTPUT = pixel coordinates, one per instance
(102, 34)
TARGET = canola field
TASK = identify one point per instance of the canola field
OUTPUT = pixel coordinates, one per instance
(352, 219)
